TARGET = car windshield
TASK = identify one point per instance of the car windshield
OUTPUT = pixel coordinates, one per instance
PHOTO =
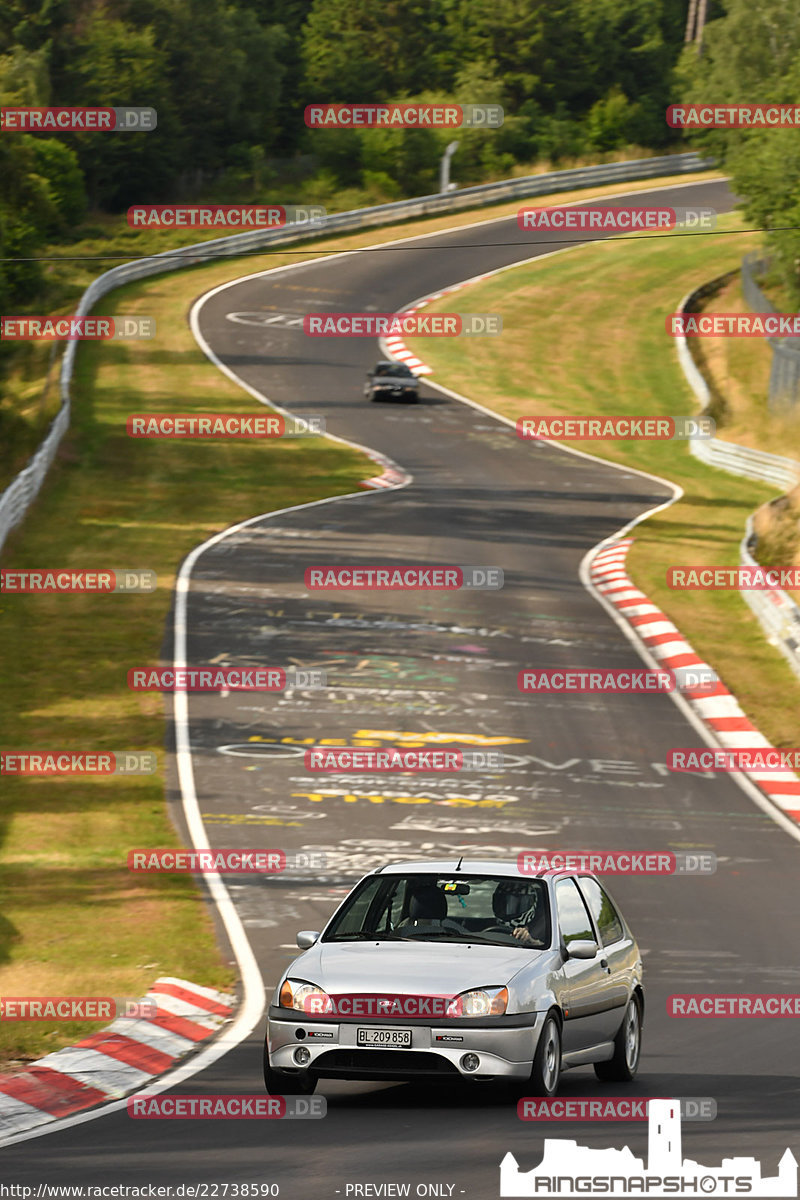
(394, 369)
(490, 909)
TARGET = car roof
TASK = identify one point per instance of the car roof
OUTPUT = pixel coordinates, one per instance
(470, 866)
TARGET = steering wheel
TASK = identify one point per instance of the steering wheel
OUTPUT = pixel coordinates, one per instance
(498, 929)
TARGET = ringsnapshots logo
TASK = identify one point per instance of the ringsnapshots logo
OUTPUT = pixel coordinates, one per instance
(403, 579)
(733, 116)
(732, 325)
(223, 861)
(614, 218)
(57, 580)
(75, 1008)
(610, 1108)
(224, 679)
(227, 1108)
(569, 1169)
(573, 680)
(618, 862)
(403, 116)
(75, 762)
(76, 329)
(402, 324)
(223, 425)
(614, 429)
(226, 216)
(118, 119)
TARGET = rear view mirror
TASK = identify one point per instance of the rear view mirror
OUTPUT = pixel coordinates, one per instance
(306, 938)
(582, 949)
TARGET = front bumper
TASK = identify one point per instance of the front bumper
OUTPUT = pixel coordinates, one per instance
(505, 1048)
(391, 393)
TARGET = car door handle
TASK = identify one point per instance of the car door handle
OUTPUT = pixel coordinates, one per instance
(604, 963)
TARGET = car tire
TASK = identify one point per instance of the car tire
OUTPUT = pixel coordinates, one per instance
(279, 1083)
(627, 1047)
(546, 1069)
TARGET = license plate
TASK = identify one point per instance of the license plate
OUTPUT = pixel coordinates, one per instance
(390, 1038)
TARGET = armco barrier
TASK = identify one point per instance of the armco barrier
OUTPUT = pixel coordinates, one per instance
(21, 492)
(776, 612)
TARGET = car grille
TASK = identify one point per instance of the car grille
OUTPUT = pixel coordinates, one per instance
(383, 1064)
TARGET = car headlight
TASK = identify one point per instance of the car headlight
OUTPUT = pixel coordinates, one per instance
(305, 998)
(479, 1002)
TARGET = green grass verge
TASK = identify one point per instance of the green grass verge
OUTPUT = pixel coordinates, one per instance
(584, 333)
(74, 922)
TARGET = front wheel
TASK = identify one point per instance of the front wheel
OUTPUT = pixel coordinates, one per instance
(546, 1070)
(302, 1083)
(627, 1048)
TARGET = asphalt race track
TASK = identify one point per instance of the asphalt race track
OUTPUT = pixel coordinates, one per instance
(588, 774)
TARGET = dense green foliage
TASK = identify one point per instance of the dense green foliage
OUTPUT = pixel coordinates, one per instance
(230, 80)
(752, 55)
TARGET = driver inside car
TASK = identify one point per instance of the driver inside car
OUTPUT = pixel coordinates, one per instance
(517, 904)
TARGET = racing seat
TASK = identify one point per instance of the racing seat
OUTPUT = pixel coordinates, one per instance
(428, 904)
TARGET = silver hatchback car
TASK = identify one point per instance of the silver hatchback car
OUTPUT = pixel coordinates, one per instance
(461, 969)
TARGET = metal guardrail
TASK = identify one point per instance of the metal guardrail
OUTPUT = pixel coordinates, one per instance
(784, 375)
(22, 491)
(776, 612)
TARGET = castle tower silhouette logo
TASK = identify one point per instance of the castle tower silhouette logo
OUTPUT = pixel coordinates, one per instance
(568, 1169)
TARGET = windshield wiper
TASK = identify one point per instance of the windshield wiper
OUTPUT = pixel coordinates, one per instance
(378, 936)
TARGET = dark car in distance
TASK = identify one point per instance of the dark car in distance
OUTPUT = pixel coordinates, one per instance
(392, 381)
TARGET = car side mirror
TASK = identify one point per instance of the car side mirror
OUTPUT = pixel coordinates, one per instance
(307, 937)
(581, 949)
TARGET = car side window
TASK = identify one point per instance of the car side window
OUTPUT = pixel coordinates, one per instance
(573, 919)
(605, 915)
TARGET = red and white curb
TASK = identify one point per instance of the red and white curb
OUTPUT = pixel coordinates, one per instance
(396, 347)
(116, 1061)
(718, 709)
(391, 477)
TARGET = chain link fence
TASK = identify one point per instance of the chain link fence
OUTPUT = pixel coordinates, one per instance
(784, 376)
